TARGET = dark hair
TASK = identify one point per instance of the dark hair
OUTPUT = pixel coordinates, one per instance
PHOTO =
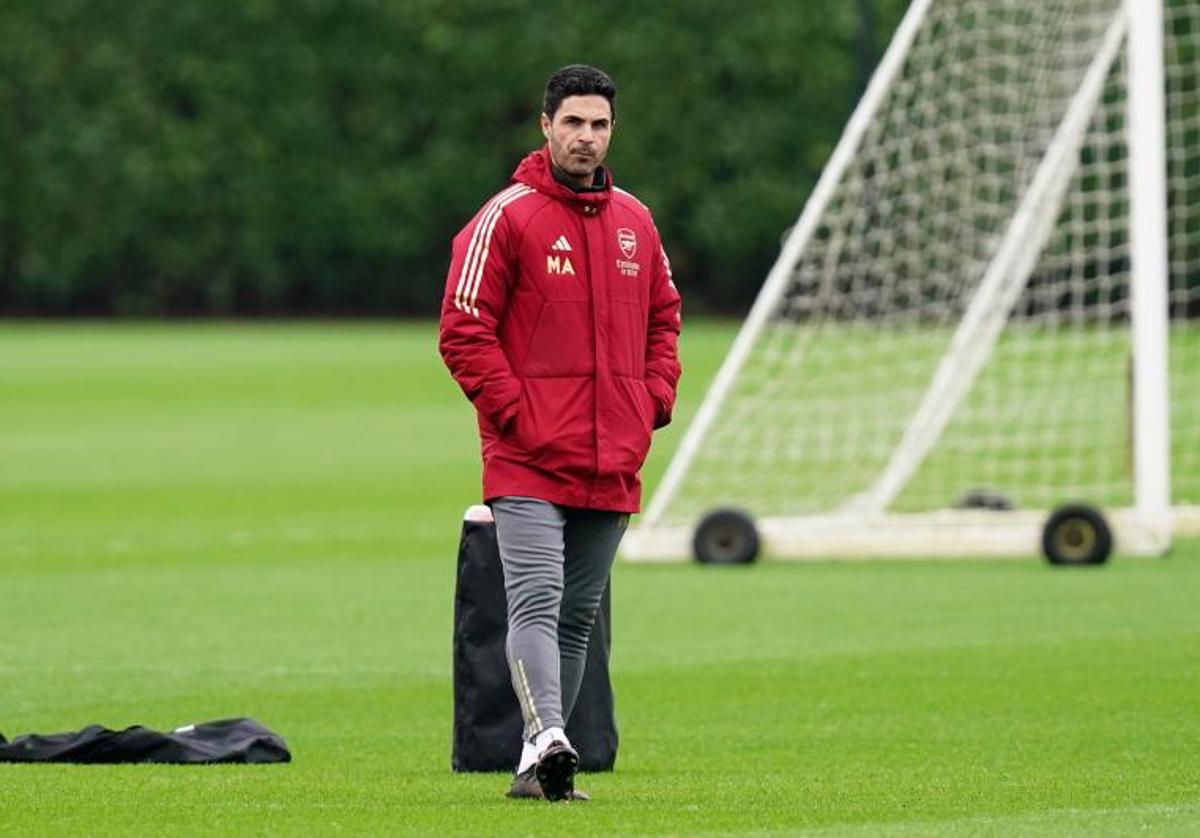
(577, 80)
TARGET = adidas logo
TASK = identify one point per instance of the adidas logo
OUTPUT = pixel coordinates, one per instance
(561, 244)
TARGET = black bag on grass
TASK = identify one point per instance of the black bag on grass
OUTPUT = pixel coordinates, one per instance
(229, 740)
(487, 718)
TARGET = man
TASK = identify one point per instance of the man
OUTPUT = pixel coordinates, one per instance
(560, 322)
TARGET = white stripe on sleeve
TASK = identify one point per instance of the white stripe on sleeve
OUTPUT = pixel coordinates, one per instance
(476, 235)
(476, 277)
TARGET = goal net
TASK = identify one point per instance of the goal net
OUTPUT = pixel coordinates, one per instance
(951, 323)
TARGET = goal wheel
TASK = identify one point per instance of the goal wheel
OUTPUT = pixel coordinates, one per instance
(1076, 534)
(726, 536)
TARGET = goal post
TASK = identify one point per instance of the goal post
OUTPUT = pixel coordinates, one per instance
(1148, 251)
(978, 300)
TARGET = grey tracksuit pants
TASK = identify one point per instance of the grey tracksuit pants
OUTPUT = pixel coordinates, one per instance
(556, 563)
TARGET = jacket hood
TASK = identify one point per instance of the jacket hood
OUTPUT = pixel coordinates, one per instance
(535, 171)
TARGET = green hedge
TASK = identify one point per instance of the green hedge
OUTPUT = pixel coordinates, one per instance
(166, 157)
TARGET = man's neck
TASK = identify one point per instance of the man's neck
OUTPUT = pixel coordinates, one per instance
(597, 184)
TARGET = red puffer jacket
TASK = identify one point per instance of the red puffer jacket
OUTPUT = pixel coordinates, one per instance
(561, 323)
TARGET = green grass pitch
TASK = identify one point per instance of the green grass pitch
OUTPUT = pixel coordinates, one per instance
(199, 521)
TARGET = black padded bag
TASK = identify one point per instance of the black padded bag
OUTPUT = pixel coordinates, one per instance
(487, 718)
(228, 740)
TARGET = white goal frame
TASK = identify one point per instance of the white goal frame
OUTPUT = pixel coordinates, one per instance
(862, 527)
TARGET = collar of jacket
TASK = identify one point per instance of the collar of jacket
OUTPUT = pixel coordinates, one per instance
(535, 171)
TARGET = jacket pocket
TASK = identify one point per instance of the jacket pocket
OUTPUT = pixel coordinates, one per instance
(633, 412)
(627, 349)
(557, 428)
(523, 435)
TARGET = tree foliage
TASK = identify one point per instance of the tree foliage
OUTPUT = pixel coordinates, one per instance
(292, 156)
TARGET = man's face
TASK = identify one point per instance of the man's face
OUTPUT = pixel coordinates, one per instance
(579, 135)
